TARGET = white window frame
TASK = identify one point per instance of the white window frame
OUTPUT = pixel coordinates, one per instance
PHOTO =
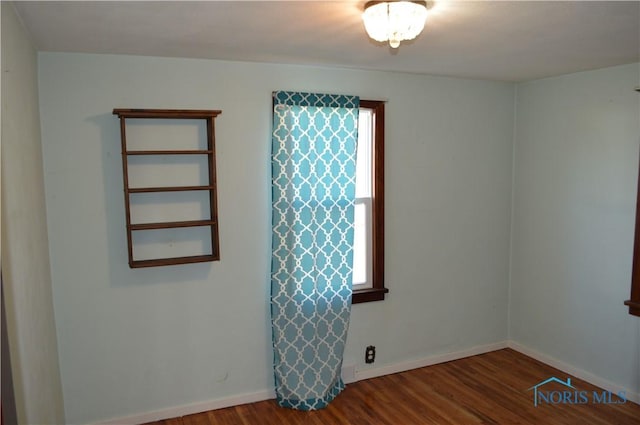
(366, 134)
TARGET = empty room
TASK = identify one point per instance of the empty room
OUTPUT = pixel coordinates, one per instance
(320, 212)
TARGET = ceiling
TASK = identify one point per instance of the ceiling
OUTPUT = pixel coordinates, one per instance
(494, 40)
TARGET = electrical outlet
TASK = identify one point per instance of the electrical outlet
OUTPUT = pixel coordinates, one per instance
(370, 354)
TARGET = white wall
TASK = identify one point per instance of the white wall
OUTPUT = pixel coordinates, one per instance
(25, 258)
(576, 164)
(133, 341)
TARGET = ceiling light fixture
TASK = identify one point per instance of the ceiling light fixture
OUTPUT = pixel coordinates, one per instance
(394, 21)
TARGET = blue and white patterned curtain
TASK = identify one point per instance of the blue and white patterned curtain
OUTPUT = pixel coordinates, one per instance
(313, 178)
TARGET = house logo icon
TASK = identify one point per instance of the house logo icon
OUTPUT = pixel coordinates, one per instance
(570, 395)
(545, 382)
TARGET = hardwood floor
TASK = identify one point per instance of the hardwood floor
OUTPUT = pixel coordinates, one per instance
(487, 389)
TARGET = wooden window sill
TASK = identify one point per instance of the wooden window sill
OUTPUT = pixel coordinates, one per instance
(634, 307)
(368, 295)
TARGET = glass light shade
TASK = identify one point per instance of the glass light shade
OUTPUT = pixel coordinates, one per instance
(394, 21)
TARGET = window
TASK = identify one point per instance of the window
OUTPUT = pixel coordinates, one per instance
(634, 302)
(368, 256)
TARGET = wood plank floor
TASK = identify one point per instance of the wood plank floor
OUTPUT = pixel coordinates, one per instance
(486, 389)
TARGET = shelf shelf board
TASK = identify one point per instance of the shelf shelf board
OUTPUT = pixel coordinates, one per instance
(171, 152)
(172, 261)
(166, 113)
(172, 224)
(169, 189)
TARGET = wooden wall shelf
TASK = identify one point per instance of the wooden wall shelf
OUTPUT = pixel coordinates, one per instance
(211, 223)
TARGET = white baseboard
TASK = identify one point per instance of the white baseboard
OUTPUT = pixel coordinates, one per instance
(350, 376)
(349, 373)
(428, 361)
(189, 409)
(571, 370)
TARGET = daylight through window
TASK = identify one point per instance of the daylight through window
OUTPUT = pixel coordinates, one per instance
(368, 262)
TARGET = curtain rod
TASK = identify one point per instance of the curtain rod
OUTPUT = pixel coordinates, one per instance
(273, 94)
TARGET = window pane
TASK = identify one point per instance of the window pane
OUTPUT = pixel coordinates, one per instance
(360, 245)
(369, 243)
(363, 158)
